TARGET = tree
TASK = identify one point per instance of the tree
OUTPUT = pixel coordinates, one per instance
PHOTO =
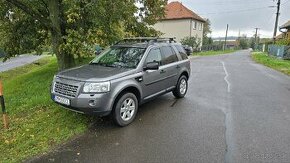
(207, 30)
(191, 41)
(243, 43)
(71, 26)
(252, 42)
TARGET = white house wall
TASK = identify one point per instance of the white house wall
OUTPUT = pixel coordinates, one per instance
(179, 28)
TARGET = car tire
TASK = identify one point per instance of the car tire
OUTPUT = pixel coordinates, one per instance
(181, 87)
(125, 109)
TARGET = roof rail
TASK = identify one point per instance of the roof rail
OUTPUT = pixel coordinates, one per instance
(148, 40)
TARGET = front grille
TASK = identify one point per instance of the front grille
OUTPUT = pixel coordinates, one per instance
(65, 89)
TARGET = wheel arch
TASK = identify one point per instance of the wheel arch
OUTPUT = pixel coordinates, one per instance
(185, 73)
(131, 89)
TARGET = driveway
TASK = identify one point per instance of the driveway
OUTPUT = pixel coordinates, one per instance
(235, 111)
(18, 61)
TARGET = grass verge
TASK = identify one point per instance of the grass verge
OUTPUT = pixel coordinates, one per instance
(208, 53)
(36, 123)
(272, 62)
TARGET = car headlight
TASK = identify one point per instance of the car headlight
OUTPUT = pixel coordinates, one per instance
(53, 83)
(97, 87)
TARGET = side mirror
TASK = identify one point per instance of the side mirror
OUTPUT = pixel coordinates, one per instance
(151, 66)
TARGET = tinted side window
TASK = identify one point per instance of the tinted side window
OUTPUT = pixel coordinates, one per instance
(181, 52)
(154, 56)
(169, 55)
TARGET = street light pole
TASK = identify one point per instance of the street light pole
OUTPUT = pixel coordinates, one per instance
(256, 35)
(225, 45)
(277, 19)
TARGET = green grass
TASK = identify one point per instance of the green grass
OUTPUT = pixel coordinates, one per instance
(272, 62)
(208, 53)
(36, 123)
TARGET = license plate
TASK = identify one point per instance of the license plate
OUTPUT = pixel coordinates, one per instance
(62, 100)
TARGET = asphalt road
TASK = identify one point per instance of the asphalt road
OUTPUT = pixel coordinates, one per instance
(17, 62)
(235, 111)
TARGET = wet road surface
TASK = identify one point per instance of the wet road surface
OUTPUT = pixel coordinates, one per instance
(18, 61)
(235, 111)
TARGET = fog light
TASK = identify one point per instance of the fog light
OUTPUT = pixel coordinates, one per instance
(92, 102)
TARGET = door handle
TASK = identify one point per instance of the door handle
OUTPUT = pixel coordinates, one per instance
(177, 66)
(162, 71)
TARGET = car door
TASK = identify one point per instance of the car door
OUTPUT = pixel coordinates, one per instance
(170, 66)
(153, 80)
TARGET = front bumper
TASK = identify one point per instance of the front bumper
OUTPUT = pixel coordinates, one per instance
(92, 104)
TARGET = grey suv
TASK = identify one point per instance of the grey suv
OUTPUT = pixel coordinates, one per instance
(123, 77)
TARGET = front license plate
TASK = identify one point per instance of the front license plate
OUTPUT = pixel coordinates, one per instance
(62, 100)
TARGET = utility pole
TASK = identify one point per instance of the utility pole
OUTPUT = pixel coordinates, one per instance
(256, 34)
(277, 19)
(225, 45)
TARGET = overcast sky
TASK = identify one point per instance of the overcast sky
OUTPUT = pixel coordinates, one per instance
(243, 15)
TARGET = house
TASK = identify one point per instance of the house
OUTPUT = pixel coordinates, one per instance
(180, 22)
(285, 29)
(279, 37)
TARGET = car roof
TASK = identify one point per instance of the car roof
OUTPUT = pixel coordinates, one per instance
(145, 42)
(131, 44)
(145, 45)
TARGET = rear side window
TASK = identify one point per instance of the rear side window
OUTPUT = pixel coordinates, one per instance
(169, 55)
(154, 56)
(181, 52)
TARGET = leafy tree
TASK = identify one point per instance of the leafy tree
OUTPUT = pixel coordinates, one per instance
(252, 42)
(207, 30)
(243, 43)
(207, 41)
(191, 41)
(72, 26)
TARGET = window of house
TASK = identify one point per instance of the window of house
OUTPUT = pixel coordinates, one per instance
(200, 26)
(194, 24)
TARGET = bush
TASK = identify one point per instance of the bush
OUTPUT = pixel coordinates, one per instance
(192, 42)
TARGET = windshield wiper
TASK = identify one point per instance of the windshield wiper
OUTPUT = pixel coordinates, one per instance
(103, 64)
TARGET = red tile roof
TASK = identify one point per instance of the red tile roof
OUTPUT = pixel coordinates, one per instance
(176, 10)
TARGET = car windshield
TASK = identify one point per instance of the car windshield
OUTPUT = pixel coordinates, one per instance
(128, 57)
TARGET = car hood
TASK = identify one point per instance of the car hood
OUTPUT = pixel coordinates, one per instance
(94, 73)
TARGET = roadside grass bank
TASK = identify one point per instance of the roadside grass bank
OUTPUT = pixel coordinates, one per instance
(36, 123)
(272, 62)
(208, 53)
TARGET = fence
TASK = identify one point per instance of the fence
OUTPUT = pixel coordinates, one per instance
(262, 47)
(211, 47)
(279, 51)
